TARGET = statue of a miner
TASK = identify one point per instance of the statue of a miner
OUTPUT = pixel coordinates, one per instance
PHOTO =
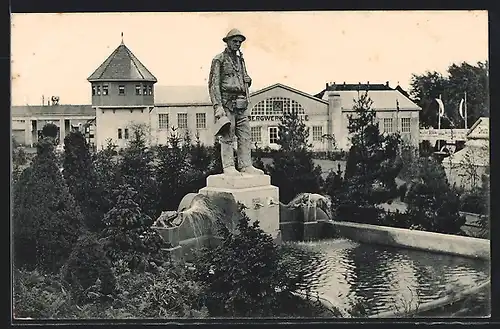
(228, 86)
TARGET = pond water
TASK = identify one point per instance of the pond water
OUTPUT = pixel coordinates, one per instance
(365, 279)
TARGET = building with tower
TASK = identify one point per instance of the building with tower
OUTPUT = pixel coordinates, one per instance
(124, 93)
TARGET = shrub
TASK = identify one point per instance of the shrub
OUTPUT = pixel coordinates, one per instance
(46, 219)
(128, 235)
(432, 204)
(86, 264)
(136, 168)
(80, 176)
(40, 295)
(50, 130)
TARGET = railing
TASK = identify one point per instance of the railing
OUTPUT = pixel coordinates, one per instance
(445, 134)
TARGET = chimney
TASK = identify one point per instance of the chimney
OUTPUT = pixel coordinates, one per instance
(326, 86)
(334, 123)
(387, 83)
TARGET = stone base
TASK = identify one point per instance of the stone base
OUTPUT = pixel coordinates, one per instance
(256, 193)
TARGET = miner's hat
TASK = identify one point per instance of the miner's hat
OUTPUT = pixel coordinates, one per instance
(233, 33)
(221, 125)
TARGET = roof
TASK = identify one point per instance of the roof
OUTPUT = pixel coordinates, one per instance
(182, 95)
(353, 86)
(122, 65)
(382, 99)
(480, 129)
(29, 110)
(279, 85)
(477, 155)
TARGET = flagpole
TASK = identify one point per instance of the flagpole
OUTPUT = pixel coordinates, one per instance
(465, 109)
(439, 124)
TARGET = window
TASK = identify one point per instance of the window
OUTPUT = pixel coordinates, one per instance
(182, 120)
(138, 90)
(256, 136)
(105, 90)
(98, 90)
(144, 90)
(277, 106)
(405, 125)
(121, 90)
(273, 135)
(163, 121)
(119, 133)
(317, 133)
(201, 120)
(150, 90)
(388, 125)
(126, 133)
(93, 90)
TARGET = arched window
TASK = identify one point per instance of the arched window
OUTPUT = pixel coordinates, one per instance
(277, 105)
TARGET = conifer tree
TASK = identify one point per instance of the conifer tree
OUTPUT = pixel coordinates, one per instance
(136, 168)
(293, 169)
(106, 169)
(432, 204)
(47, 221)
(172, 173)
(81, 178)
(128, 235)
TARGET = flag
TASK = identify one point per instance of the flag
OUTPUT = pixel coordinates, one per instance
(461, 108)
(441, 107)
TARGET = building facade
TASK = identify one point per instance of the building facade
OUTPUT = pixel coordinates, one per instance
(124, 94)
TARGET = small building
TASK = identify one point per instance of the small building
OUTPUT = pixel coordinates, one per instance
(394, 110)
(28, 121)
(466, 167)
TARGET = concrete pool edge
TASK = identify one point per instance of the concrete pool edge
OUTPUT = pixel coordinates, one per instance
(435, 304)
(413, 239)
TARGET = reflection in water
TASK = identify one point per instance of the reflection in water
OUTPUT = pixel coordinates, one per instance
(363, 279)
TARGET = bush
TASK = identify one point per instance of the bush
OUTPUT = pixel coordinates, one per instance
(128, 235)
(46, 219)
(80, 176)
(166, 293)
(432, 204)
(50, 130)
(294, 172)
(87, 264)
(40, 295)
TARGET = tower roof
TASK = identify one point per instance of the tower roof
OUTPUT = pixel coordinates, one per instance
(122, 65)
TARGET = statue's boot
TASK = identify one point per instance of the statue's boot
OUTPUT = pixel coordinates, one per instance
(231, 171)
(251, 170)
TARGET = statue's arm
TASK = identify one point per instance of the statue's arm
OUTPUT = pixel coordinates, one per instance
(214, 83)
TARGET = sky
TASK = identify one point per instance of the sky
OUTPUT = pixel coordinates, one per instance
(54, 54)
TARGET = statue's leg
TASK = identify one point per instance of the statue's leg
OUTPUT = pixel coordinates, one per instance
(226, 146)
(242, 131)
(244, 151)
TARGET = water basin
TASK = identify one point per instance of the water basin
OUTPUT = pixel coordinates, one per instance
(364, 280)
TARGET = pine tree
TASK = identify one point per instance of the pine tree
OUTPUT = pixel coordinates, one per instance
(373, 157)
(128, 235)
(136, 168)
(81, 178)
(172, 173)
(293, 169)
(106, 169)
(47, 221)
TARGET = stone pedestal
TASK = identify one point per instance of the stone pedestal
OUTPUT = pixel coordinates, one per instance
(256, 193)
